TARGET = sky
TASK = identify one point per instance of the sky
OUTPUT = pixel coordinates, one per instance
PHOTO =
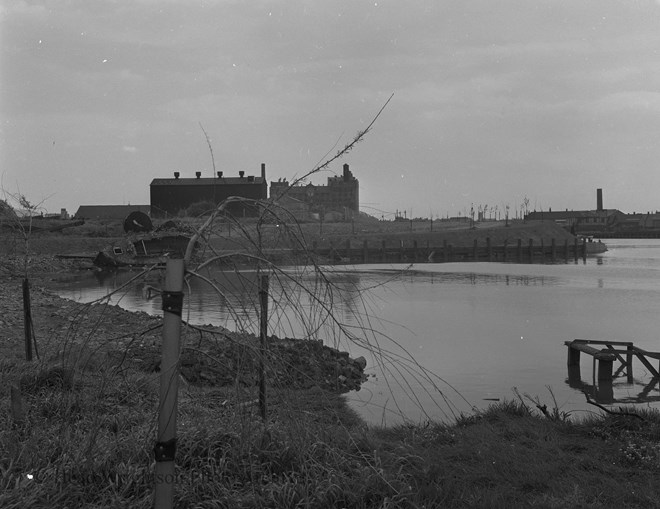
(494, 101)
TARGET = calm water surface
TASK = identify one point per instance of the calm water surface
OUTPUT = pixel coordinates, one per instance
(451, 336)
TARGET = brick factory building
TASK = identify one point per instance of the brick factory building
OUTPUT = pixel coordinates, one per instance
(170, 196)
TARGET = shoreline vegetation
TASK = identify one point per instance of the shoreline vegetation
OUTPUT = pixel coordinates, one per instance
(82, 426)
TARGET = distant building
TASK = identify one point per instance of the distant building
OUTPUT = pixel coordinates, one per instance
(341, 194)
(602, 221)
(170, 196)
(108, 211)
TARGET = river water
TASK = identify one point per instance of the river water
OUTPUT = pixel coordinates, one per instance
(442, 339)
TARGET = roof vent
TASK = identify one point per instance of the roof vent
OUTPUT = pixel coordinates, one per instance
(241, 174)
(250, 178)
(176, 174)
(198, 174)
(219, 174)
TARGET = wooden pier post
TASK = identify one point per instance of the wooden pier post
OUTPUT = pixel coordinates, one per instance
(629, 366)
(553, 251)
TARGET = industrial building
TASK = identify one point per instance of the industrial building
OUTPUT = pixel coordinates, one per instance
(601, 221)
(170, 196)
(341, 194)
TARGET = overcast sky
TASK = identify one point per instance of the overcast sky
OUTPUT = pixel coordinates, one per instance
(494, 100)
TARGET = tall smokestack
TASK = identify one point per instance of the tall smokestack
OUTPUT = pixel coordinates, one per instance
(599, 200)
(263, 171)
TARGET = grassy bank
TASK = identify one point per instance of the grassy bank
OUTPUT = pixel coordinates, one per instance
(84, 436)
(87, 440)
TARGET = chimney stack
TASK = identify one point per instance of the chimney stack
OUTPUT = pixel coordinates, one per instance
(241, 173)
(219, 174)
(198, 174)
(599, 200)
(263, 171)
(176, 174)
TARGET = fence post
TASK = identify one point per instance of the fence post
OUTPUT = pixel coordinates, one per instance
(165, 448)
(27, 319)
(263, 335)
(531, 250)
(475, 251)
(489, 249)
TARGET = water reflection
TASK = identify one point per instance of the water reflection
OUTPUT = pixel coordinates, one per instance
(479, 328)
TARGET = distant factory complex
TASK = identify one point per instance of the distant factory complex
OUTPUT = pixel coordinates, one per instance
(173, 196)
(338, 200)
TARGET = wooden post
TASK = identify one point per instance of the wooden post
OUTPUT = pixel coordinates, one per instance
(489, 249)
(605, 368)
(519, 251)
(401, 254)
(575, 249)
(531, 250)
(629, 365)
(169, 383)
(553, 252)
(573, 356)
(584, 250)
(27, 319)
(475, 251)
(451, 252)
(263, 346)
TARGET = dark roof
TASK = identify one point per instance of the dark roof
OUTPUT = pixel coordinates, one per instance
(220, 181)
(109, 211)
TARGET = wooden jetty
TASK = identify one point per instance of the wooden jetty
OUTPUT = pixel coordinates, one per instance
(604, 358)
(603, 373)
(412, 252)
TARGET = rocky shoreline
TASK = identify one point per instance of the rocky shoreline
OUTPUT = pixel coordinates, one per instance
(103, 334)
